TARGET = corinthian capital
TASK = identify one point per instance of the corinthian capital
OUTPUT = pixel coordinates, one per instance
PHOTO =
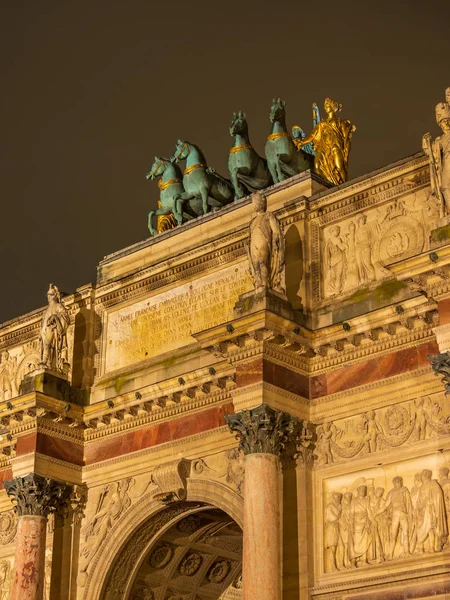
(261, 430)
(36, 495)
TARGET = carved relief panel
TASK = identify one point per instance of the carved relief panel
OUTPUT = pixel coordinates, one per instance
(353, 244)
(427, 417)
(386, 513)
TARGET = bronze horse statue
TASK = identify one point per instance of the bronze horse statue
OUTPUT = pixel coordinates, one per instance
(247, 169)
(283, 159)
(199, 181)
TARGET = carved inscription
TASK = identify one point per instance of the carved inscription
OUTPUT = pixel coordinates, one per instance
(166, 321)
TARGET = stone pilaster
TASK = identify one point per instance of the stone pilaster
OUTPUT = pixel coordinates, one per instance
(262, 433)
(34, 497)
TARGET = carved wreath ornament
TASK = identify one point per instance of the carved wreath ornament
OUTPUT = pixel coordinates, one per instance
(190, 564)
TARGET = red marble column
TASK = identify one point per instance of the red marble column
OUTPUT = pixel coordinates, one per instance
(261, 574)
(261, 432)
(34, 498)
(29, 562)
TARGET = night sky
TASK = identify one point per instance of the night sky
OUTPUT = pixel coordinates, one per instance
(91, 91)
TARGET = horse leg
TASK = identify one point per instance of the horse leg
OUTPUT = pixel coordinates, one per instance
(178, 210)
(204, 191)
(150, 223)
(238, 189)
(273, 171)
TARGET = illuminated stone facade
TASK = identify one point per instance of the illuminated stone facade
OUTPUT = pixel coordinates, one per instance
(204, 440)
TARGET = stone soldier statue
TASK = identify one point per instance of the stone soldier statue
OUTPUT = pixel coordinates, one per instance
(53, 335)
(266, 247)
(438, 151)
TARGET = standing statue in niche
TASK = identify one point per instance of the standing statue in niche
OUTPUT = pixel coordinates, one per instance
(266, 247)
(53, 334)
(363, 244)
(438, 152)
(331, 138)
(8, 365)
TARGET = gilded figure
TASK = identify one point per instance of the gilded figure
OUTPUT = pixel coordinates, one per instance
(331, 138)
(266, 247)
(53, 334)
(438, 152)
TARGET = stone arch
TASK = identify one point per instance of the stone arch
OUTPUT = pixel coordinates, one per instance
(142, 525)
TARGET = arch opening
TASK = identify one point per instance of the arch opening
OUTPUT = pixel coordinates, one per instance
(197, 557)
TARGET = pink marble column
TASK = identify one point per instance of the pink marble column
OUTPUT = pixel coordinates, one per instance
(262, 433)
(29, 562)
(34, 498)
(261, 574)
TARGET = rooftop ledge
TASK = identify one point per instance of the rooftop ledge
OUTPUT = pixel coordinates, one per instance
(236, 216)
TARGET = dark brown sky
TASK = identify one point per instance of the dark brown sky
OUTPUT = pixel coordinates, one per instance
(91, 91)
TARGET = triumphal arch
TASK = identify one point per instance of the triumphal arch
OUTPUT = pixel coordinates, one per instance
(251, 403)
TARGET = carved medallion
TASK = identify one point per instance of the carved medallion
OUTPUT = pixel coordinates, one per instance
(219, 571)
(402, 238)
(161, 556)
(189, 524)
(190, 564)
(8, 527)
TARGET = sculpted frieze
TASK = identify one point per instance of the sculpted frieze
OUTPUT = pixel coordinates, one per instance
(5, 579)
(376, 430)
(386, 514)
(355, 251)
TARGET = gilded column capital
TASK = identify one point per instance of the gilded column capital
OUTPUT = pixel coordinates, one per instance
(261, 430)
(37, 495)
(440, 364)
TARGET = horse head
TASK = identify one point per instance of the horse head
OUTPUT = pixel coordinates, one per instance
(238, 123)
(157, 169)
(277, 112)
(182, 150)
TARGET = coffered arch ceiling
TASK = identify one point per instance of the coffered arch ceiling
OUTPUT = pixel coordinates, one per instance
(198, 558)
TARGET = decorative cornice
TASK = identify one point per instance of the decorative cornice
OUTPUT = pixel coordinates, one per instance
(36, 495)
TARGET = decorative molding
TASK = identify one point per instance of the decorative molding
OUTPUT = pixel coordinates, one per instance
(171, 481)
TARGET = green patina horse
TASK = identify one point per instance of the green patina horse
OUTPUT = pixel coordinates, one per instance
(283, 159)
(200, 182)
(170, 185)
(246, 167)
(170, 192)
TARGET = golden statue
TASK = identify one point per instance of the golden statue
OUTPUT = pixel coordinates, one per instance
(331, 139)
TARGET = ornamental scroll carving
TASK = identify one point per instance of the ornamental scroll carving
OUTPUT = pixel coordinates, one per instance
(171, 480)
(378, 430)
(367, 523)
(113, 501)
(36, 495)
(8, 527)
(261, 430)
